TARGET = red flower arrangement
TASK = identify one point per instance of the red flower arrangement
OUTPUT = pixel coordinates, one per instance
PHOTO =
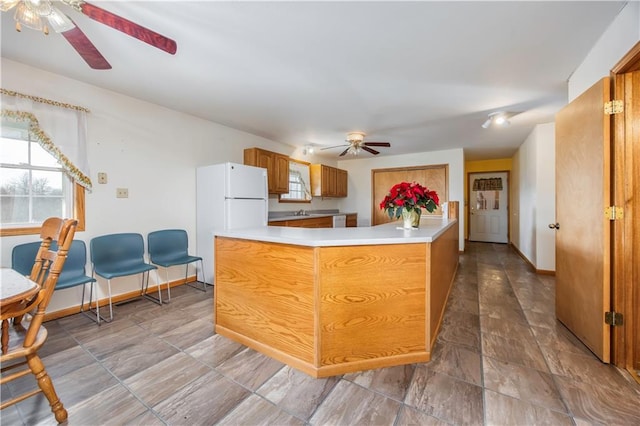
(409, 197)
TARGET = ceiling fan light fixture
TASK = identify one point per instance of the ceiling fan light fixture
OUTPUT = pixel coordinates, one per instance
(59, 21)
(26, 16)
(5, 5)
(355, 137)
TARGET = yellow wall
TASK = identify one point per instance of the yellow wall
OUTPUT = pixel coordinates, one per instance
(497, 165)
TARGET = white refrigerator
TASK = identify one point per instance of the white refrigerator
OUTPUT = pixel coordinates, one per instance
(228, 196)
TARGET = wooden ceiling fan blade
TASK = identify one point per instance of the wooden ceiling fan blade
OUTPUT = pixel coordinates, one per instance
(373, 151)
(79, 41)
(130, 28)
(383, 144)
(331, 147)
(344, 152)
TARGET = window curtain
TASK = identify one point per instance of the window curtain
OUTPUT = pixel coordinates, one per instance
(61, 129)
(491, 184)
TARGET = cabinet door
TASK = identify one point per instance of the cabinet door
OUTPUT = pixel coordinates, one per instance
(352, 220)
(332, 181)
(277, 166)
(281, 174)
(327, 181)
(341, 183)
(278, 223)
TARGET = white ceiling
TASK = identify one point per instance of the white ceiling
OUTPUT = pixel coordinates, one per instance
(421, 75)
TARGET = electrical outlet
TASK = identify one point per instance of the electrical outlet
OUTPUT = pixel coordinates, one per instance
(102, 177)
(122, 193)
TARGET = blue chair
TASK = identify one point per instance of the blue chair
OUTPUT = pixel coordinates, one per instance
(119, 255)
(169, 247)
(73, 273)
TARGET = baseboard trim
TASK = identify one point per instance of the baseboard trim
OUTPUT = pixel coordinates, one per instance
(115, 299)
(531, 265)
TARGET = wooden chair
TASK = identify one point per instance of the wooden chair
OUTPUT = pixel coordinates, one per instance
(27, 335)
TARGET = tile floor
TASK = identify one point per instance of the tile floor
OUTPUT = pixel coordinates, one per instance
(501, 358)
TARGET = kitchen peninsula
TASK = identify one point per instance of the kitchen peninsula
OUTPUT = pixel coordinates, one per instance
(332, 301)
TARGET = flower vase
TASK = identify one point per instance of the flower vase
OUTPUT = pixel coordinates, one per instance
(410, 219)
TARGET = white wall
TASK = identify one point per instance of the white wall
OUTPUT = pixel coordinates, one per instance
(533, 164)
(151, 150)
(359, 170)
(614, 43)
(533, 208)
(523, 171)
(545, 197)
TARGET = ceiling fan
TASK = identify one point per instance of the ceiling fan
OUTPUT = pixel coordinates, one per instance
(355, 143)
(42, 14)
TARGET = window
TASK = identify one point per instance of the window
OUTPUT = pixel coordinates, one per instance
(299, 188)
(33, 186)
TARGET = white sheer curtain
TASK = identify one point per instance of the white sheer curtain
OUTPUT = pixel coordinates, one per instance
(61, 129)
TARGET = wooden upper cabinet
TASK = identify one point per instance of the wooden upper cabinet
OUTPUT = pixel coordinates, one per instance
(327, 181)
(341, 183)
(281, 179)
(277, 166)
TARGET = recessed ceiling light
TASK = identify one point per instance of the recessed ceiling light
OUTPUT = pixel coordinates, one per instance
(498, 118)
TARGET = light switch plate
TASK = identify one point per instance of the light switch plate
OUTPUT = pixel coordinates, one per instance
(102, 177)
(122, 193)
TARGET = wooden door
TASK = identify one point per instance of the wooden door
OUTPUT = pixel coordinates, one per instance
(583, 173)
(488, 213)
(632, 118)
(627, 247)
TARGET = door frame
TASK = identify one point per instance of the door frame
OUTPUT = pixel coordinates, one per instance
(468, 206)
(624, 255)
(508, 192)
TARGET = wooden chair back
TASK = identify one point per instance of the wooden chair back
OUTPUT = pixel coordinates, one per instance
(46, 269)
(24, 341)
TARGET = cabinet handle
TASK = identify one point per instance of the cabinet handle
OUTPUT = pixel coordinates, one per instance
(554, 225)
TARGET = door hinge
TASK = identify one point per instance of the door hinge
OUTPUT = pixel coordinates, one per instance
(613, 212)
(613, 318)
(613, 107)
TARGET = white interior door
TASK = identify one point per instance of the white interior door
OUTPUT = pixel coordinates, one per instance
(488, 201)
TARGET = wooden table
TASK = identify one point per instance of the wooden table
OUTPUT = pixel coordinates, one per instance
(15, 291)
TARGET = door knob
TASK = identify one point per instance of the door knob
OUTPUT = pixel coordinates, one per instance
(554, 225)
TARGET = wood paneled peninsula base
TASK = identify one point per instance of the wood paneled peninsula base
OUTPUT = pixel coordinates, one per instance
(333, 301)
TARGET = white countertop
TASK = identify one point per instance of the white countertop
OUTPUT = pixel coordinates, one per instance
(389, 233)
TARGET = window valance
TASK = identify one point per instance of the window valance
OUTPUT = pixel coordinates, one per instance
(61, 129)
(490, 184)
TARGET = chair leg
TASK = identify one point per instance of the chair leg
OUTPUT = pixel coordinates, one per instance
(145, 288)
(46, 385)
(98, 318)
(110, 302)
(204, 285)
(166, 271)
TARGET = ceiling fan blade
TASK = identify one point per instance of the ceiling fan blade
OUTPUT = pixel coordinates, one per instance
(130, 28)
(384, 144)
(335, 146)
(373, 151)
(344, 152)
(79, 41)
